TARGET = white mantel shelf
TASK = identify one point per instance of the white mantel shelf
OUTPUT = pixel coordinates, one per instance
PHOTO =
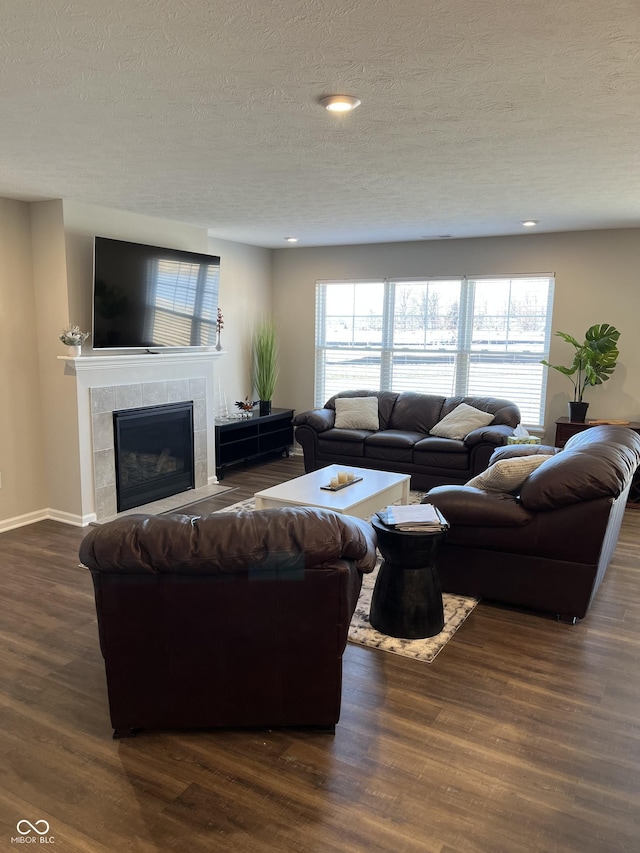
(142, 359)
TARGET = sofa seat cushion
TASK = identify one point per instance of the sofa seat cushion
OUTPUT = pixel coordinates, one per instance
(441, 454)
(466, 507)
(342, 442)
(444, 462)
(349, 435)
(394, 438)
(433, 444)
(391, 445)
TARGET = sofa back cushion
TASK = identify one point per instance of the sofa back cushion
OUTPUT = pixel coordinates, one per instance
(596, 463)
(416, 412)
(260, 542)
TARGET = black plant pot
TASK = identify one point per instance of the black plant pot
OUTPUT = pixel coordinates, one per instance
(265, 407)
(577, 412)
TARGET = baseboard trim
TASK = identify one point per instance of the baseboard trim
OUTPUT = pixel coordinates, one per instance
(23, 520)
(72, 518)
(7, 524)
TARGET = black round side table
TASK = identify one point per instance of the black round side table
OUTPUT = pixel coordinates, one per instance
(407, 598)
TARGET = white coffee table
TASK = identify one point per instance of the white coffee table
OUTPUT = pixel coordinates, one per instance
(374, 491)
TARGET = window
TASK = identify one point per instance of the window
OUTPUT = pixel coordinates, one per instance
(464, 336)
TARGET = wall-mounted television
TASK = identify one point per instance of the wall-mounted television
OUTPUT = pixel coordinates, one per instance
(149, 297)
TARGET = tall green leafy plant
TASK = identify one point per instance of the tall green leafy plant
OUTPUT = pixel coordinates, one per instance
(265, 358)
(594, 359)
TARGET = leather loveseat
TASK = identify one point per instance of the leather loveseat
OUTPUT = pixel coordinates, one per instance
(226, 619)
(545, 544)
(403, 442)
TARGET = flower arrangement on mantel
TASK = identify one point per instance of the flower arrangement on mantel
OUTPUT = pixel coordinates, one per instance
(73, 337)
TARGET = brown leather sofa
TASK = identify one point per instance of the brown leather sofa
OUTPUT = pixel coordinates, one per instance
(226, 619)
(402, 443)
(546, 547)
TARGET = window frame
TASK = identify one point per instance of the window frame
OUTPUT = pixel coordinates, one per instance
(464, 349)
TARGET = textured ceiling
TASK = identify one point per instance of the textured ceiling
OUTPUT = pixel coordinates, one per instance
(475, 114)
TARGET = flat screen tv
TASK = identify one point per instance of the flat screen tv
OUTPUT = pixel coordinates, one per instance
(148, 297)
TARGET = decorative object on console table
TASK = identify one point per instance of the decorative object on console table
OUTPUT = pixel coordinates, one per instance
(265, 362)
(241, 440)
(565, 428)
(73, 338)
(246, 406)
(593, 363)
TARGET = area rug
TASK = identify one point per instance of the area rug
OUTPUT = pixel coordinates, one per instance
(456, 610)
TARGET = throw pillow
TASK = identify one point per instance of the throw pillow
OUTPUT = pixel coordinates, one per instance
(508, 475)
(460, 422)
(357, 413)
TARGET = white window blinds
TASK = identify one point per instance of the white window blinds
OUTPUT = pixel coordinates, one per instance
(469, 336)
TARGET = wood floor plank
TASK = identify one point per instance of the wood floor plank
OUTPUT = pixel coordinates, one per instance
(522, 735)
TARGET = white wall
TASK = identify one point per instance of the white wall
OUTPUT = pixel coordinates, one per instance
(596, 282)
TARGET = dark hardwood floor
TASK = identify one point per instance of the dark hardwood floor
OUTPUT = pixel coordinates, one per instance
(523, 735)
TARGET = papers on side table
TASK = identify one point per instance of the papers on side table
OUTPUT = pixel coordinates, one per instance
(418, 518)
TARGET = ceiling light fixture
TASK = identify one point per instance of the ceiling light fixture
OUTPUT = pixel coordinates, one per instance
(340, 103)
(291, 239)
(529, 223)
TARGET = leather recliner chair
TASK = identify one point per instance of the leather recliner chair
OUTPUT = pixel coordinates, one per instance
(230, 619)
(546, 547)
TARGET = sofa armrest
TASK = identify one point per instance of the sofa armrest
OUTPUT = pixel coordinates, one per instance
(496, 434)
(513, 451)
(470, 507)
(318, 419)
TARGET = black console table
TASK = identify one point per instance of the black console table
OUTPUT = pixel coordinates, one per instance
(240, 439)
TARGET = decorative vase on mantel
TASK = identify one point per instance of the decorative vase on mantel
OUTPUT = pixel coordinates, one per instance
(265, 407)
(578, 412)
(74, 351)
(218, 342)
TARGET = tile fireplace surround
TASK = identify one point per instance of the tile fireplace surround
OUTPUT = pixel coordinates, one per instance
(109, 383)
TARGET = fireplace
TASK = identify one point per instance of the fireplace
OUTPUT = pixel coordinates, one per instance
(154, 453)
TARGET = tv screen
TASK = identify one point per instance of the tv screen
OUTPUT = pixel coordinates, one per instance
(149, 297)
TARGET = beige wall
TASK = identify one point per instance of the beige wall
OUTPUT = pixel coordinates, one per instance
(22, 456)
(596, 282)
(45, 282)
(46, 259)
(245, 295)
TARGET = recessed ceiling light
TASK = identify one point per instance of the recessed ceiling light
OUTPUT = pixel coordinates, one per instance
(529, 223)
(291, 239)
(340, 103)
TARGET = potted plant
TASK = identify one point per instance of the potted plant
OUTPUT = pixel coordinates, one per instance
(594, 361)
(265, 362)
